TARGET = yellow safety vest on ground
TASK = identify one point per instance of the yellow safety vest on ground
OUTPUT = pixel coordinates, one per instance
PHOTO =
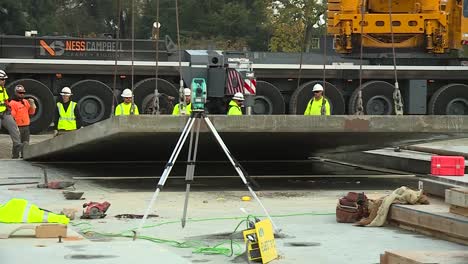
(124, 109)
(314, 107)
(67, 120)
(22, 211)
(188, 109)
(234, 109)
(3, 98)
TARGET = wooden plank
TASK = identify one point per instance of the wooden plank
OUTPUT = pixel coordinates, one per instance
(457, 196)
(32, 230)
(425, 257)
(430, 218)
(459, 210)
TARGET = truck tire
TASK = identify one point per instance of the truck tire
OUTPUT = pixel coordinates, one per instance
(377, 98)
(144, 95)
(44, 100)
(94, 99)
(451, 99)
(268, 100)
(301, 97)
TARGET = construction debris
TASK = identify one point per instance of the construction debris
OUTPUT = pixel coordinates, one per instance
(71, 195)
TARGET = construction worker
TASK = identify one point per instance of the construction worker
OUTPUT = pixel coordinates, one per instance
(127, 107)
(235, 104)
(21, 109)
(317, 105)
(6, 120)
(188, 107)
(22, 211)
(67, 114)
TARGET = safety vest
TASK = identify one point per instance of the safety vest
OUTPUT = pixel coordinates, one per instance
(188, 109)
(22, 211)
(234, 109)
(67, 120)
(314, 107)
(124, 109)
(3, 99)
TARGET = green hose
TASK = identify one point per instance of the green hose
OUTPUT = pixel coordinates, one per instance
(197, 247)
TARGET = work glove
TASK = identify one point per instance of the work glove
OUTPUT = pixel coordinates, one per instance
(32, 103)
(55, 133)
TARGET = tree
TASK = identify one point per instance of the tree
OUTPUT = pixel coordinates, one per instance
(294, 23)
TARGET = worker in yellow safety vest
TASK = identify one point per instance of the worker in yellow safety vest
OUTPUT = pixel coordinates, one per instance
(127, 107)
(67, 115)
(22, 211)
(318, 105)
(235, 104)
(188, 106)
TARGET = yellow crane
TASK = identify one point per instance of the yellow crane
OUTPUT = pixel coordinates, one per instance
(438, 26)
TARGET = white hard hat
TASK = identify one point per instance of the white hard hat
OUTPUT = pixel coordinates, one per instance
(127, 93)
(187, 91)
(19, 88)
(3, 75)
(66, 91)
(238, 96)
(317, 87)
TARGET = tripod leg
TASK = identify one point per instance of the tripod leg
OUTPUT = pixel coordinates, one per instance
(167, 169)
(237, 168)
(190, 169)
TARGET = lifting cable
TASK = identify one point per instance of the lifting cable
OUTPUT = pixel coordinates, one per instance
(117, 47)
(323, 110)
(182, 104)
(156, 27)
(359, 105)
(132, 108)
(397, 100)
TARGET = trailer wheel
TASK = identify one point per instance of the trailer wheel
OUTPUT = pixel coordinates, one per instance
(377, 98)
(301, 97)
(44, 100)
(144, 95)
(451, 99)
(94, 99)
(268, 100)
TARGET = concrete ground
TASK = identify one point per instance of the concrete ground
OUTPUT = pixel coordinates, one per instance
(5, 143)
(303, 209)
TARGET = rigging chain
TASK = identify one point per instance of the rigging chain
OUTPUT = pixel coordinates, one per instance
(397, 100)
(117, 47)
(182, 104)
(156, 109)
(323, 110)
(132, 108)
(360, 105)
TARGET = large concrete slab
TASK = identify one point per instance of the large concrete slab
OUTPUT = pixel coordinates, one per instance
(248, 137)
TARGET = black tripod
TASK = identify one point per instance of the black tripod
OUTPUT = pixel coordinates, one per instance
(196, 116)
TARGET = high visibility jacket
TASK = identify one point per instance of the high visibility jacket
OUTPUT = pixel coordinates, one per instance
(21, 110)
(67, 119)
(22, 211)
(234, 109)
(124, 109)
(3, 99)
(188, 109)
(314, 107)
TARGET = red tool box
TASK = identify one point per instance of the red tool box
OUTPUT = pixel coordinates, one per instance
(448, 165)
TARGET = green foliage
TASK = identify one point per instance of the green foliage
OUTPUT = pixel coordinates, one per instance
(220, 24)
(293, 24)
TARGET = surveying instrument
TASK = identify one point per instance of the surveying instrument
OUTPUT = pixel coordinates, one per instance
(198, 87)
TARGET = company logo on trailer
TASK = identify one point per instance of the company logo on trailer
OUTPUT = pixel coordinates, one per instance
(55, 48)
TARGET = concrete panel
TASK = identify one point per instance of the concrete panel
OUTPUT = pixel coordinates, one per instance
(248, 137)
